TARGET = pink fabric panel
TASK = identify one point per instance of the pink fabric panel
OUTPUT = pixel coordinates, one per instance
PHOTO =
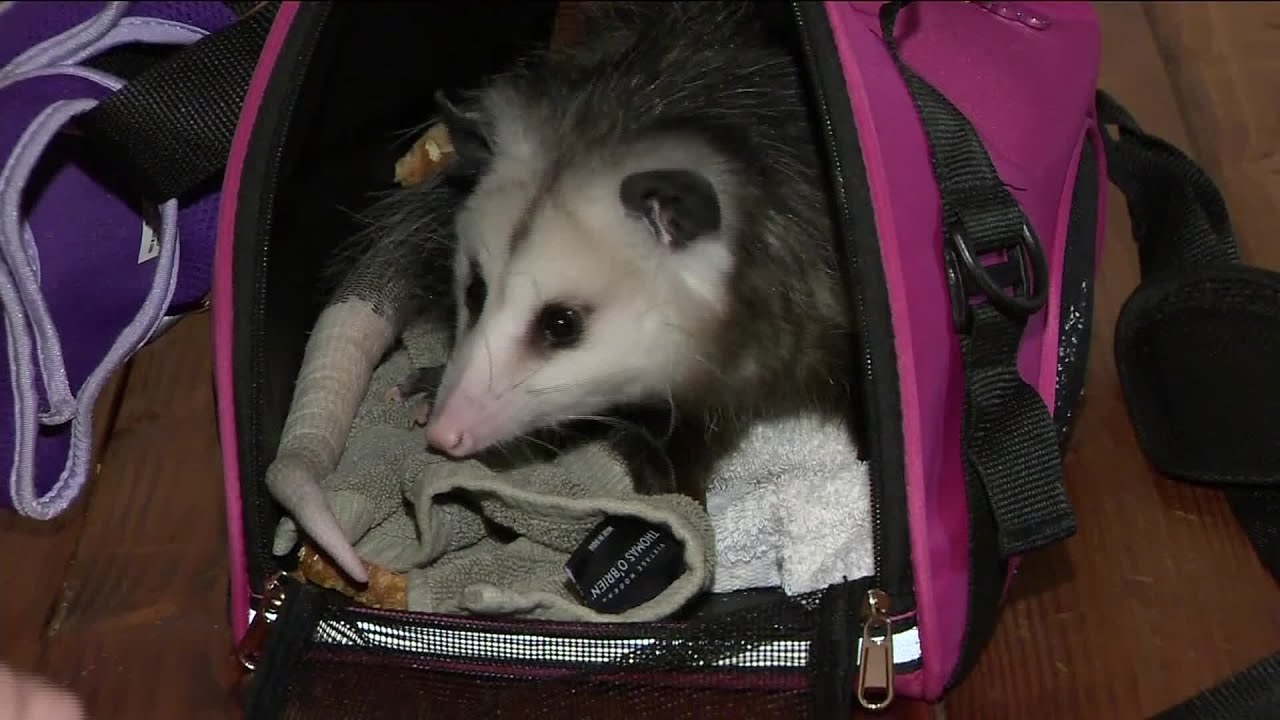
(222, 311)
(1027, 91)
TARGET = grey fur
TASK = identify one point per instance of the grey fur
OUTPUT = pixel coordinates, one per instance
(400, 262)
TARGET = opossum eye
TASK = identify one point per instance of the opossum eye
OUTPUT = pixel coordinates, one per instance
(559, 326)
(475, 293)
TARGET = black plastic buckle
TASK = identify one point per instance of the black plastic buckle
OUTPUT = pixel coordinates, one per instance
(1024, 273)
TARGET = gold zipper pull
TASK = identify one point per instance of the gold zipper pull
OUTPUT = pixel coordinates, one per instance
(875, 666)
(255, 637)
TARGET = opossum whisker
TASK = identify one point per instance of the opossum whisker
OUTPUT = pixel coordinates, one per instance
(526, 379)
(537, 290)
(502, 447)
(415, 131)
(555, 450)
(489, 351)
(611, 422)
(715, 371)
(672, 415)
(561, 387)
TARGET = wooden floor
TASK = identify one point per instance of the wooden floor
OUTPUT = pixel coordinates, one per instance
(1157, 597)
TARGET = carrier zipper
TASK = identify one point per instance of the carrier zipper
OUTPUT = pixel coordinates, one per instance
(255, 498)
(267, 609)
(875, 662)
(859, 311)
(892, 572)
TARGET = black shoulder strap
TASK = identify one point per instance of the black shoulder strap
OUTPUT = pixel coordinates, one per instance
(998, 276)
(169, 130)
(1251, 694)
(1178, 217)
(1197, 345)
(1198, 341)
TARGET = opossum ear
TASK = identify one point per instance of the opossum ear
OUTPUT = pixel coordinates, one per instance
(679, 206)
(470, 144)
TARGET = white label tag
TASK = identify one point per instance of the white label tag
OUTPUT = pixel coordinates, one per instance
(150, 246)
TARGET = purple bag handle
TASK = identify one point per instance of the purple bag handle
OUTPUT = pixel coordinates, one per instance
(26, 314)
(31, 337)
(113, 24)
(60, 48)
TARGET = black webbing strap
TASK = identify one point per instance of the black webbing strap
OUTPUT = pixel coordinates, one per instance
(1177, 215)
(170, 129)
(1183, 231)
(1257, 509)
(1180, 222)
(1251, 694)
(1010, 441)
(282, 670)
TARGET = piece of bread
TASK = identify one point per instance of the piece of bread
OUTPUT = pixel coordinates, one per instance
(423, 159)
(387, 590)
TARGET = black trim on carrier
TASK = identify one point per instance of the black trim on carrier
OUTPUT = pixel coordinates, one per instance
(1075, 315)
(318, 623)
(257, 430)
(297, 115)
(880, 401)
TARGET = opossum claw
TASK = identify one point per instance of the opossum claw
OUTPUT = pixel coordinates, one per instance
(422, 413)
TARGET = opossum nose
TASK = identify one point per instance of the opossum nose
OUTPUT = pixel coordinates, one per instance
(459, 424)
(448, 440)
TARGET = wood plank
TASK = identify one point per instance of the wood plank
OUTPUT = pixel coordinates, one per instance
(1160, 594)
(1224, 65)
(37, 553)
(141, 628)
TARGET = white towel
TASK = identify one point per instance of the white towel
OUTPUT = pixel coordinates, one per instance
(791, 508)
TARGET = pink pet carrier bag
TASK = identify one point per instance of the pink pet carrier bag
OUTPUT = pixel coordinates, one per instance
(968, 160)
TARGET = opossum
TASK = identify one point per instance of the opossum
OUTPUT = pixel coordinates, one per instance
(645, 223)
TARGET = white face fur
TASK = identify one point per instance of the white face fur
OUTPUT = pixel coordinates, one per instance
(594, 305)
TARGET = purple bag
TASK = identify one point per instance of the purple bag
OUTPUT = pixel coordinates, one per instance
(94, 265)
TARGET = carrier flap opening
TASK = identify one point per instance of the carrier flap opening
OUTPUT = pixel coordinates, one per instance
(329, 169)
(352, 80)
(337, 141)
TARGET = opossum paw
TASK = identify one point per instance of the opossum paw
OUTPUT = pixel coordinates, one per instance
(422, 413)
(394, 395)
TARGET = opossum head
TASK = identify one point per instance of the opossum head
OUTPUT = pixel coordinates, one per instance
(583, 285)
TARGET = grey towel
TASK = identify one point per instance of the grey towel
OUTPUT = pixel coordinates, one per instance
(791, 507)
(478, 540)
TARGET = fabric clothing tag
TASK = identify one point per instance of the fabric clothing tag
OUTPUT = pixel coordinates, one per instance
(149, 248)
(623, 563)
